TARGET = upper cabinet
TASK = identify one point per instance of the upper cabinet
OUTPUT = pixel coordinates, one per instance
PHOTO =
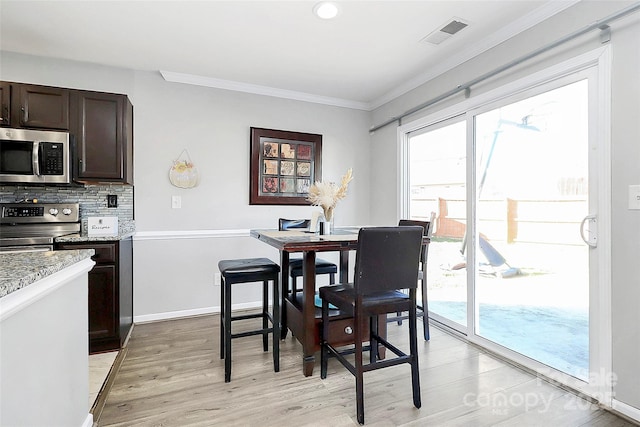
(33, 106)
(103, 127)
(100, 123)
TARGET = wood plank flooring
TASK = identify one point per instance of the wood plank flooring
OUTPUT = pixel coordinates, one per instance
(172, 375)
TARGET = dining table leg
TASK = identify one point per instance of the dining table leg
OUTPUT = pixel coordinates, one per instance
(344, 266)
(308, 311)
(284, 286)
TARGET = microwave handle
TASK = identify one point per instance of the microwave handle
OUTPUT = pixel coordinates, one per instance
(34, 158)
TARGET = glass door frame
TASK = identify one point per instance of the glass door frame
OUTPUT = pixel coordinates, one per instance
(596, 66)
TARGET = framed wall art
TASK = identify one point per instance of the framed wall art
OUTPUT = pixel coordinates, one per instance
(283, 166)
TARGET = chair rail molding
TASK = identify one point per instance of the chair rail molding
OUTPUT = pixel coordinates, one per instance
(189, 234)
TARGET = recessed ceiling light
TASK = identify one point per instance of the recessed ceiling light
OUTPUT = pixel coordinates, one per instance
(326, 10)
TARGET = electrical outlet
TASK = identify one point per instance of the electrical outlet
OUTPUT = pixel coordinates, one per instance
(216, 279)
(176, 202)
(112, 201)
(634, 197)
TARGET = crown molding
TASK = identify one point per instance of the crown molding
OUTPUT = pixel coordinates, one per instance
(192, 79)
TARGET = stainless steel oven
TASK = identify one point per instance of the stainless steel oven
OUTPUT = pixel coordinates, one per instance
(31, 227)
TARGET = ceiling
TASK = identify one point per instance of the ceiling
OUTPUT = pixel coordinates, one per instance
(369, 54)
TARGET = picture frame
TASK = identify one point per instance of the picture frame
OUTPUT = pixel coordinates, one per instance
(283, 165)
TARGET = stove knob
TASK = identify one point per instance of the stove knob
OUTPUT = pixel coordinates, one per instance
(66, 211)
(53, 211)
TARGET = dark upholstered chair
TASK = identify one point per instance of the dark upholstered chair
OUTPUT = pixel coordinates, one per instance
(234, 271)
(387, 261)
(295, 264)
(423, 306)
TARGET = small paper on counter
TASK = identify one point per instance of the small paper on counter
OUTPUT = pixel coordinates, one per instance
(102, 226)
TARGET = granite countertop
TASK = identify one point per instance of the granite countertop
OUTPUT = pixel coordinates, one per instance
(18, 270)
(125, 229)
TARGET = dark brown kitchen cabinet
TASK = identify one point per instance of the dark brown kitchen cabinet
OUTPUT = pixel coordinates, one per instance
(103, 127)
(34, 106)
(5, 103)
(110, 292)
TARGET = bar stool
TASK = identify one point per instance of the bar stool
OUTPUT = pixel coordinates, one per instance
(248, 270)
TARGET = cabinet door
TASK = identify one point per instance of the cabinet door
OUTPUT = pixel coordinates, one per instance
(5, 102)
(103, 297)
(102, 137)
(40, 107)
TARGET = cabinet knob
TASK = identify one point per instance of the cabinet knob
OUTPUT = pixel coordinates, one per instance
(348, 330)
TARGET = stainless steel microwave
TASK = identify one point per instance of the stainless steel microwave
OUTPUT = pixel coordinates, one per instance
(35, 156)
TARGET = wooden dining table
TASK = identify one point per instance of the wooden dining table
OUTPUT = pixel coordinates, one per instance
(299, 313)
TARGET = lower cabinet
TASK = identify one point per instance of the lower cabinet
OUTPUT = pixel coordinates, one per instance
(110, 292)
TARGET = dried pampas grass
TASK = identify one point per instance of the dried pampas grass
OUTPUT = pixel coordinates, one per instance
(327, 194)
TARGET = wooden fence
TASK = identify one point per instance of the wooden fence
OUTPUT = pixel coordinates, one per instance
(509, 220)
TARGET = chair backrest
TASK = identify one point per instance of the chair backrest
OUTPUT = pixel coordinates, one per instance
(387, 258)
(427, 227)
(289, 224)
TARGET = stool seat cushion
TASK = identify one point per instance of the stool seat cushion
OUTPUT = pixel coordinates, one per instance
(322, 266)
(247, 266)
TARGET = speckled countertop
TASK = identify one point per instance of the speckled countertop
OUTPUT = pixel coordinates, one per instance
(125, 229)
(18, 270)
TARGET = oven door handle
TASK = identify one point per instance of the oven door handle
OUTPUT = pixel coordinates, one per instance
(23, 249)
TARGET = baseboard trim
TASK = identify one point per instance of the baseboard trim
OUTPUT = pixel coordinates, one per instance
(88, 422)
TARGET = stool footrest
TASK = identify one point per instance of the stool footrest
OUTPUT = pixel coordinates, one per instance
(248, 316)
(254, 316)
(251, 333)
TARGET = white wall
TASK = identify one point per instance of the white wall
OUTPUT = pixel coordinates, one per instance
(175, 275)
(625, 41)
(213, 125)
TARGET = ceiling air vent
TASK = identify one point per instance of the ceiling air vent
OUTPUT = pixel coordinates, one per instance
(446, 31)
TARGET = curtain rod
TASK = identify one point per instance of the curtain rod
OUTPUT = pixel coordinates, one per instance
(466, 87)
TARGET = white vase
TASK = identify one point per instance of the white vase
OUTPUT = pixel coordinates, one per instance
(326, 227)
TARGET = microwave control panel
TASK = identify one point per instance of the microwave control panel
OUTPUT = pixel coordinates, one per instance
(52, 158)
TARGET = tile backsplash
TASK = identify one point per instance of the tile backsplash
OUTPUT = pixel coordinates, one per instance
(92, 198)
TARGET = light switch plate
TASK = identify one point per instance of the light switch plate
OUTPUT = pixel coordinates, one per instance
(176, 202)
(634, 197)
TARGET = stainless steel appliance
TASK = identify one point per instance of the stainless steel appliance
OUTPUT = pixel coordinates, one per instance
(30, 227)
(35, 157)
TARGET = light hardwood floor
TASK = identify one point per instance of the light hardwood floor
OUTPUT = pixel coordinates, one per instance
(172, 375)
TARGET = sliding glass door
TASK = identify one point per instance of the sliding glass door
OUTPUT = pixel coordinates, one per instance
(518, 183)
(532, 268)
(438, 164)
